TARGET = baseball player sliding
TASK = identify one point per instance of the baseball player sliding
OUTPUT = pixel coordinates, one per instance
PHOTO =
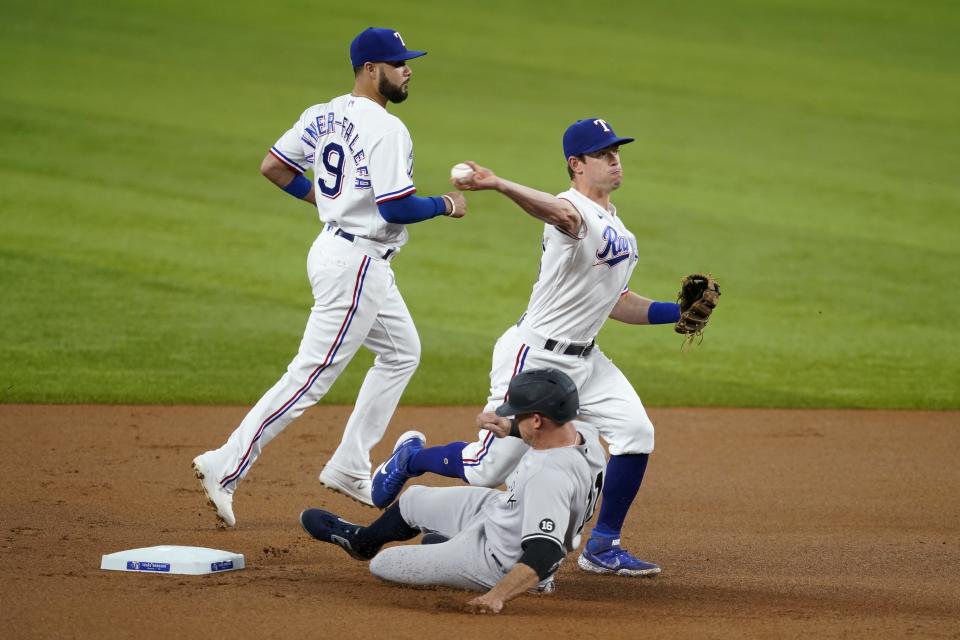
(361, 158)
(501, 542)
(588, 257)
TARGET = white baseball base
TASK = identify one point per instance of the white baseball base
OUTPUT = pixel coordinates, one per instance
(194, 561)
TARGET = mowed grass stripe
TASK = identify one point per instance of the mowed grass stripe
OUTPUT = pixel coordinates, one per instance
(805, 152)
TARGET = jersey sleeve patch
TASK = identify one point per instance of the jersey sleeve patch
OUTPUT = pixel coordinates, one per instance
(285, 160)
(547, 507)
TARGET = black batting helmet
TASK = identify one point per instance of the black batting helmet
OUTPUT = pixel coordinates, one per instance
(547, 391)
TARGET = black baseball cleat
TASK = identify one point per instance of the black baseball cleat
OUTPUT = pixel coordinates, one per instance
(328, 527)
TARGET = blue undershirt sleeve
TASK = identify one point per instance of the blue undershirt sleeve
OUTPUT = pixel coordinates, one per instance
(411, 208)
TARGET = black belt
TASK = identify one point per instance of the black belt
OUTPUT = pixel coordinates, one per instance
(350, 237)
(571, 350)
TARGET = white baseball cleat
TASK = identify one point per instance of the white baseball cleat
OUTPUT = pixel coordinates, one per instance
(354, 488)
(217, 497)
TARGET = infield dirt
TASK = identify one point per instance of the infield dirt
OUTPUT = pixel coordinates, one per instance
(767, 523)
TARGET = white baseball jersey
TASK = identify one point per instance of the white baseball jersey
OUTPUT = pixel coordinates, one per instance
(361, 156)
(581, 279)
(551, 494)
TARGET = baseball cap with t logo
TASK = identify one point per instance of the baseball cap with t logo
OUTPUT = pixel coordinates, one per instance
(380, 45)
(589, 135)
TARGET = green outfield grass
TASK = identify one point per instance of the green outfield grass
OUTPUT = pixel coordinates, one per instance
(806, 152)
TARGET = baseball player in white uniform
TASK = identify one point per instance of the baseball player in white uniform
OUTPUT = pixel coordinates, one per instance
(361, 158)
(501, 542)
(588, 257)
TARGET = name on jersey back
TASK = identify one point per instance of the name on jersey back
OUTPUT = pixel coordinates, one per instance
(326, 124)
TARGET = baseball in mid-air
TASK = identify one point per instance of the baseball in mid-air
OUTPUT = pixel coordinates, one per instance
(461, 172)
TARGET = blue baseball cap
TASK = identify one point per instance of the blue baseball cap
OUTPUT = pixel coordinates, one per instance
(380, 45)
(589, 135)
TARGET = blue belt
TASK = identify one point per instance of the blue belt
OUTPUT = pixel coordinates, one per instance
(344, 234)
(349, 237)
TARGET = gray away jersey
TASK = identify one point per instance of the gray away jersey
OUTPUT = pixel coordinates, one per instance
(552, 494)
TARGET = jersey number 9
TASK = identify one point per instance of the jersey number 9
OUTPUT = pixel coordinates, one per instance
(332, 152)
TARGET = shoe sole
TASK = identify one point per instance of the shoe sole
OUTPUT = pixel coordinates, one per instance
(344, 492)
(221, 523)
(406, 435)
(586, 565)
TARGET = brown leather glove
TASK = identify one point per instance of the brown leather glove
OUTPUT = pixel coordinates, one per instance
(698, 297)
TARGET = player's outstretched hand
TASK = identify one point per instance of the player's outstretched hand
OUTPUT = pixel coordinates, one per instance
(485, 604)
(481, 178)
(459, 204)
(492, 422)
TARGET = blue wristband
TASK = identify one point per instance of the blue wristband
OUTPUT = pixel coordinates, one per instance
(299, 187)
(663, 313)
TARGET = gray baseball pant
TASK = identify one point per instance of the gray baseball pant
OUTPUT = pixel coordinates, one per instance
(462, 562)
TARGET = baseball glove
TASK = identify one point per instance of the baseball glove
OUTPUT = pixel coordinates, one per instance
(698, 298)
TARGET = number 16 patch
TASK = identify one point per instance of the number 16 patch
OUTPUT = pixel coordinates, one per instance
(547, 526)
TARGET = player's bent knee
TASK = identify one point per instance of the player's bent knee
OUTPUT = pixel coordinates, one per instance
(408, 351)
(633, 442)
(392, 565)
(410, 362)
(380, 565)
(404, 363)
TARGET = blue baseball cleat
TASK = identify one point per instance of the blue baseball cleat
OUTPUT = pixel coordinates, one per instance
(328, 527)
(388, 480)
(605, 555)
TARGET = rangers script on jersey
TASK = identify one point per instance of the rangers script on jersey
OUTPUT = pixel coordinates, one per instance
(581, 278)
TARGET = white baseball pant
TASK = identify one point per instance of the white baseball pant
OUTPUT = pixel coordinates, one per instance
(607, 401)
(356, 303)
